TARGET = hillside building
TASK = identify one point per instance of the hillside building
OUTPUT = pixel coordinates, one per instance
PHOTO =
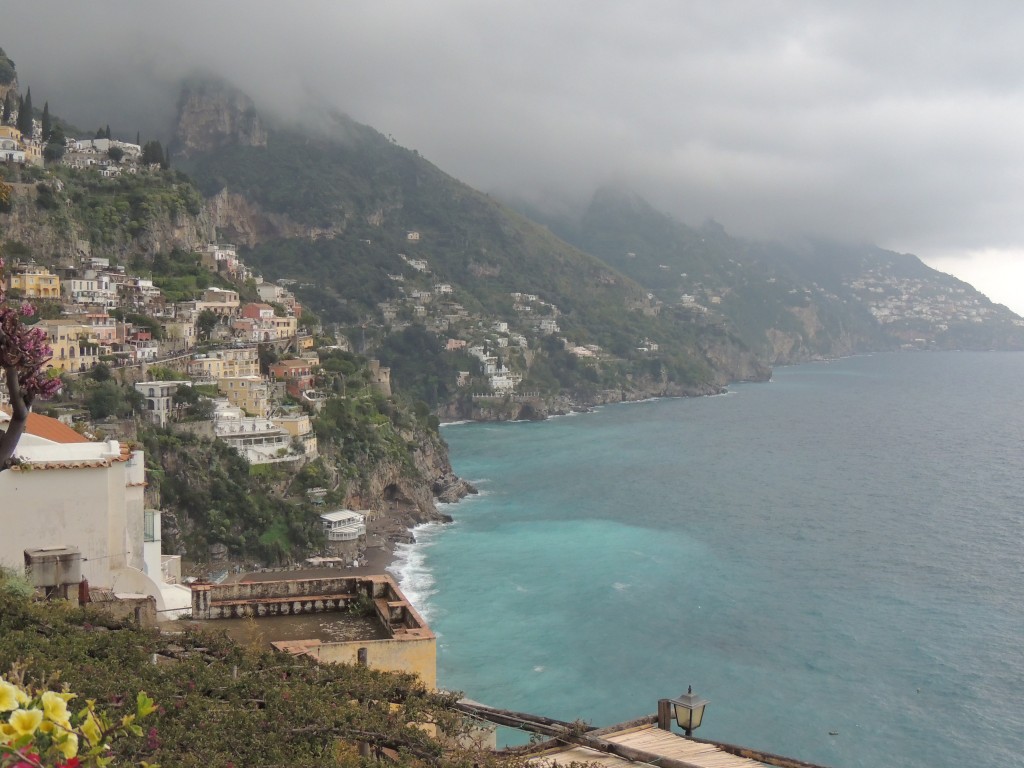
(250, 393)
(159, 396)
(226, 363)
(85, 499)
(34, 282)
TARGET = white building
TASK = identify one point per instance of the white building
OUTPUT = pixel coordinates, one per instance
(259, 440)
(160, 399)
(346, 532)
(70, 492)
(505, 382)
(548, 326)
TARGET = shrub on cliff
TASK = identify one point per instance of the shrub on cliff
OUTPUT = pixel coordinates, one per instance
(219, 704)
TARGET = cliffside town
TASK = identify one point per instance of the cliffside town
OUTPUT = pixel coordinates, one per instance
(364, 295)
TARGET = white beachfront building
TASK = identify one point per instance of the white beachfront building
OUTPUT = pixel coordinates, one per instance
(346, 532)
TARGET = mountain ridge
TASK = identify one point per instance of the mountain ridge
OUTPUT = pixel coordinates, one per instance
(795, 301)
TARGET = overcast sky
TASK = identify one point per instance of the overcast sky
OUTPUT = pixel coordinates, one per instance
(897, 123)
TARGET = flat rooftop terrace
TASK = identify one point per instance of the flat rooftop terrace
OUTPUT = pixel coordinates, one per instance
(338, 627)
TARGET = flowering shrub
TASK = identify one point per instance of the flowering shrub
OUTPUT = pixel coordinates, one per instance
(38, 729)
(24, 354)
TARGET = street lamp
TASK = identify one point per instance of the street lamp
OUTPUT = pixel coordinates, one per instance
(688, 711)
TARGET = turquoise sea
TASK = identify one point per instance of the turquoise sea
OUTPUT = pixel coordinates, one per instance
(838, 550)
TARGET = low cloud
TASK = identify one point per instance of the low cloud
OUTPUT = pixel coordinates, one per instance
(888, 122)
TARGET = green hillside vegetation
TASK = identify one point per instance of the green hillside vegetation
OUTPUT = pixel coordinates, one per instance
(801, 289)
(217, 499)
(181, 276)
(111, 213)
(370, 193)
(220, 704)
(112, 208)
(672, 259)
(7, 70)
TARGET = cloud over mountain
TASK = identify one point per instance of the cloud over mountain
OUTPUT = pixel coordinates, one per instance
(895, 123)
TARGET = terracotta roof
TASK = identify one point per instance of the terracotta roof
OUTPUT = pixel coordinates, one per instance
(49, 429)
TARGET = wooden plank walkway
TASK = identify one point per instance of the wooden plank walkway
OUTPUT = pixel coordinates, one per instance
(651, 739)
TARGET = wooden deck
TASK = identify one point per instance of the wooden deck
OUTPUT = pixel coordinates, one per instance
(649, 738)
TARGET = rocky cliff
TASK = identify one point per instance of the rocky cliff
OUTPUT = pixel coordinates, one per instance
(61, 228)
(405, 491)
(212, 115)
(242, 221)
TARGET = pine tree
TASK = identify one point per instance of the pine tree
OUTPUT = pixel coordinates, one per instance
(47, 125)
(137, 137)
(25, 115)
(10, 105)
(153, 153)
(108, 130)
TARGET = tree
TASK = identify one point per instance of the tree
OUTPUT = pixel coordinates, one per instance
(101, 372)
(10, 105)
(24, 354)
(47, 123)
(206, 322)
(153, 153)
(25, 115)
(7, 71)
(116, 154)
(54, 149)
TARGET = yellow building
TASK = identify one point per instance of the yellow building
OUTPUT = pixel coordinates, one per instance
(75, 346)
(220, 301)
(286, 327)
(34, 283)
(250, 393)
(226, 363)
(299, 427)
(34, 154)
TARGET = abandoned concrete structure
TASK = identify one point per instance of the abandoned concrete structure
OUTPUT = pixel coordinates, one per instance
(408, 644)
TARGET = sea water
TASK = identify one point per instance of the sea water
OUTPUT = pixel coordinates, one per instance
(835, 559)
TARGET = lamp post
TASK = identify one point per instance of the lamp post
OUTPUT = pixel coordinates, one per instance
(688, 711)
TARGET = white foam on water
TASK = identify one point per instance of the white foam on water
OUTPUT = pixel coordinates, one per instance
(410, 568)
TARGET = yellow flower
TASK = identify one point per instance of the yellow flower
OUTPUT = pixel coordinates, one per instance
(25, 721)
(68, 746)
(9, 698)
(7, 734)
(56, 708)
(92, 731)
